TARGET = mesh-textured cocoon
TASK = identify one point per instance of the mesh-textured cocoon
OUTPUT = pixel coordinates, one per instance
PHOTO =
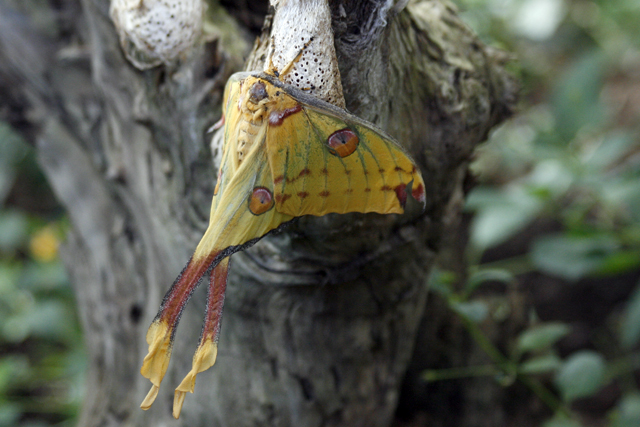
(156, 31)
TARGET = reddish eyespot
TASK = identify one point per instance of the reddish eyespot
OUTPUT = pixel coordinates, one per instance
(343, 142)
(260, 201)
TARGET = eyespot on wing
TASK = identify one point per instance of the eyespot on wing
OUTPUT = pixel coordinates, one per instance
(343, 142)
(260, 201)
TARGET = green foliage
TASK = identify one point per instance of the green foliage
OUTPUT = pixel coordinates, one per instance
(541, 337)
(12, 152)
(627, 413)
(540, 364)
(562, 421)
(569, 161)
(474, 311)
(500, 214)
(41, 356)
(572, 257)
(630, 323)
(581, 375)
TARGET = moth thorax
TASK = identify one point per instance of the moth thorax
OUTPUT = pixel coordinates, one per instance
(255, 106)
(258, 92)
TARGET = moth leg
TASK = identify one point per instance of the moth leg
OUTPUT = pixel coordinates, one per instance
(217, 125)
(207, 350)
(161, 332)
(271, 68)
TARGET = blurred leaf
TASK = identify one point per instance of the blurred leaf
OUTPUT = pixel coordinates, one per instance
(9, 274)
(9, 414)
(550, 178)
(501, 309)
(500, 214)
(15, 330)
(630, 324)
(509, 151)
(581, 375)
(628, 411)
(49, 319)
(12, 151)
(541, 337)
(623, 192)
(624, 13)
(475, 311)
(538, 19)
(12, 368)
(44, 276)
(610, 149)
(561, 421)
(5, 374)
(489, 275)
(619, 262)
(13, 230)
(572, 257)
(35, 424)
(576, 97)
(540, 364)
(441, 282)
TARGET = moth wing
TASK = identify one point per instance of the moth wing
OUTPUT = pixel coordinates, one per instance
(245, 208)
(325, 160)
(232, 116)
(232, 222)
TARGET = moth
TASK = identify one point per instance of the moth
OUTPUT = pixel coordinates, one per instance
(285, 154)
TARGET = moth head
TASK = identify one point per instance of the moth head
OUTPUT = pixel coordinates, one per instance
(258, 92)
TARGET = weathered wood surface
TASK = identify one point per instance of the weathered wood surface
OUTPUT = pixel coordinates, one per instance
(320, 320)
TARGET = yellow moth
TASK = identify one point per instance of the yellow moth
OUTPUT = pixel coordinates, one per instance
(285, 154)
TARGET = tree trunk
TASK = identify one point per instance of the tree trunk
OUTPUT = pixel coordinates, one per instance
(320, 320)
